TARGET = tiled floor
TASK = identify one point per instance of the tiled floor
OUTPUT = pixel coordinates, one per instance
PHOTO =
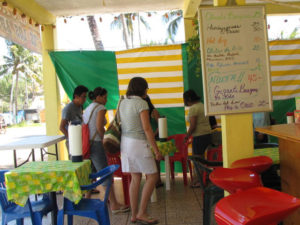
(181, 205)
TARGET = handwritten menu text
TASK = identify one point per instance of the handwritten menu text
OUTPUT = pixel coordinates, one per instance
(235, 60)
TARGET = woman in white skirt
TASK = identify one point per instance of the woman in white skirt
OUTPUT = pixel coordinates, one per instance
(136, 143)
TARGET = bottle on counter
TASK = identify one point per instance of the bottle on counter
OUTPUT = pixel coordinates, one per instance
(289, 117)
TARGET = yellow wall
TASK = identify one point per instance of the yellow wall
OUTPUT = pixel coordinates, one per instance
(51, 89)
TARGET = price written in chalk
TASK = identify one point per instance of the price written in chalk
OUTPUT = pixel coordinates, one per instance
(235, 60)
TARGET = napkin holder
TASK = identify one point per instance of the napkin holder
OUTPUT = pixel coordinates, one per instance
(162, 129)
(75, 142)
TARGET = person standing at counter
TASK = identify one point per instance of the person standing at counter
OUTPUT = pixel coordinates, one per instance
(200, 128)
(73, 111)
(136, 142)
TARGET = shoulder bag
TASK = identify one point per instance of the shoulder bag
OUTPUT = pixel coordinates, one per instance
(86, 145)
(112, 136)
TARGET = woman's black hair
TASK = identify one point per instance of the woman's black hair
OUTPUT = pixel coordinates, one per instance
(137, 86)
(98, 91)
(190, 96)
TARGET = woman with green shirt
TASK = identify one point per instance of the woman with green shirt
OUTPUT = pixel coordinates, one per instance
(199, 125)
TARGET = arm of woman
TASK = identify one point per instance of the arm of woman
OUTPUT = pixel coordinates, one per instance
(193, 123)
(155, 115)
(144, 115)
(100, 123)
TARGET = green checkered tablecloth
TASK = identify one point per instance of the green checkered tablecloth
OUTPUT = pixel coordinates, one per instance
(273, 153)
(47, 176)
(166, 147)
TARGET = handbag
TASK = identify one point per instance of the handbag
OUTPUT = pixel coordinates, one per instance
(112, 136)
(86, 146)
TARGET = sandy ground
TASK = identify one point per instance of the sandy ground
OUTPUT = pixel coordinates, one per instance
(6, 156)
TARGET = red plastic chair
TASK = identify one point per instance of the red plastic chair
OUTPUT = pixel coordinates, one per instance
(215, 154)
(234, 179)
(255, 206)
(257, 164)
(126, 177)
(181, 156)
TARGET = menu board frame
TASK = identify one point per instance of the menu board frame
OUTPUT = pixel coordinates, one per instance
(236, 76)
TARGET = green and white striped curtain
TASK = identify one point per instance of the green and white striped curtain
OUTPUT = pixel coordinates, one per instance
(166, 70)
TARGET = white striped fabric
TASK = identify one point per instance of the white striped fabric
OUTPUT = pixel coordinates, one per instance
(285, 68)
(161, 66)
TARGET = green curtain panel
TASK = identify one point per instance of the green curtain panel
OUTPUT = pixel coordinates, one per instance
(88, 68)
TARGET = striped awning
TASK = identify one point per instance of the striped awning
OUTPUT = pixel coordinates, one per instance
(285, 68)
(161, 66)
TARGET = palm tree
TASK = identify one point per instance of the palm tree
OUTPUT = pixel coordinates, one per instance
(20, 62)
(173, 19)
(125, 22)
(95, 33)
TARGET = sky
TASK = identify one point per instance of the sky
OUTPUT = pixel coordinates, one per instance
(75, 34)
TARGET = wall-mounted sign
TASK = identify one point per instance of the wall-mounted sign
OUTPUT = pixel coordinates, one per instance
(235, 60)
(18, 30)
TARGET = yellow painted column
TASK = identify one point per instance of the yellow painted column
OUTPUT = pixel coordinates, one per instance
(51, 90)
(189, 30)
(237, 129)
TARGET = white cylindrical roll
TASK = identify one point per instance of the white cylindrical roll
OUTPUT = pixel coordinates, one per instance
(162, 128)
(75, 140)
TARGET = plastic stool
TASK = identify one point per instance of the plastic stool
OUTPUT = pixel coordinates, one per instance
(113, 159)
(234, 179)
(257, 164)
(255, 206)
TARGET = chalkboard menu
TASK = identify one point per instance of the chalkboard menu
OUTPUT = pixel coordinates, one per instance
(235, 60)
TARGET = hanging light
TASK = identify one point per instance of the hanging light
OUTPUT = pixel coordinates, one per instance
(100, 19)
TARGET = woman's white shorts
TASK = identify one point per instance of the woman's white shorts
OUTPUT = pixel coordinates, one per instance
(136, 156)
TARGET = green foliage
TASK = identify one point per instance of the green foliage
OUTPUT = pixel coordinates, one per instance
(20, 77)
(25, 123)
(173, 19)
(193, 49)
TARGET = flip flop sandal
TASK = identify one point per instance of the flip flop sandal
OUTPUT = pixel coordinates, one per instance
(149, 221)
(122, 209)
(197, 185)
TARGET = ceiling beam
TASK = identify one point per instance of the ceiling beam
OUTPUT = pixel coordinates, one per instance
(283, 8)
(33, 10)
(190, 8)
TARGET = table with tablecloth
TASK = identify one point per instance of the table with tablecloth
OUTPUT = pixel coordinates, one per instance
(272, 152)
(167, 148)
(47, 176)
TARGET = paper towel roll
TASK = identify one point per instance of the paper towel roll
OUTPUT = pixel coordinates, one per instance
(75, 142)
(162, 129)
